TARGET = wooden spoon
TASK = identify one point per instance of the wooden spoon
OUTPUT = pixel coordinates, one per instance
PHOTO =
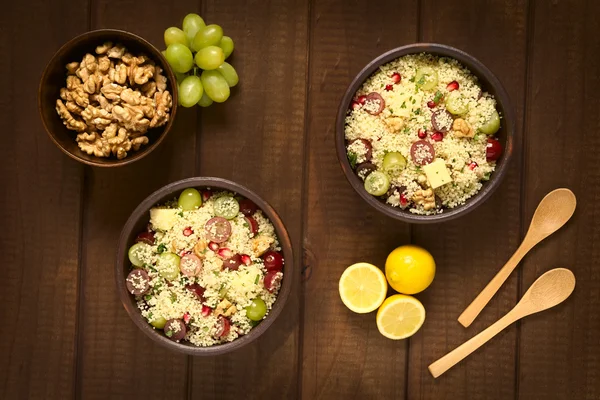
(553, 212)
(548, 290)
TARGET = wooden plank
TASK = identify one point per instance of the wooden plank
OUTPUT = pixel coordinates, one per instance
(470, 250)
(116, 359)
(344, 354)
(256, 138)
(559, 349)
(39, 209)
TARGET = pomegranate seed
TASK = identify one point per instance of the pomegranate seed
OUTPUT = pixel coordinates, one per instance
(206, 310)
(437, 136)
(145, 237)
(431, 104)
(183, 253)
(388, 88)
(273, 261)
(354, 105)
(224, 253)
(422, 134)
(473, 165)
(452, 86)
(188, 231)
(187, 317)
(403, 201)
(214, 246)
(246, 259)
(206, 194)
(361, 99)
(272, 280)
(396, 78)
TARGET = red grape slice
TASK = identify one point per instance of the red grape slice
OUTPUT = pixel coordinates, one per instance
(137, 282)
(145, 237)
(197, 290)
(218, 229)
(223, 327)
(175, 329)
(273, 261)
(368, 148)
(252, 224)
(272, 280)
(374, 104)
(247, 207)
(233, 263)
(422, 152)
(493, 150)
(442, 121)
(190, 265)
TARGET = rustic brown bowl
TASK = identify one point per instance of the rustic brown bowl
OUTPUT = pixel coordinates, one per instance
(138, 221)
(54, 78)
(506, 134)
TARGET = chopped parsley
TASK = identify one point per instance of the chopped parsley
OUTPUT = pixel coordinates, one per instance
(413, 100)
(403, 105)
(147, 297)
(256, 280)
(161, 248)
(180, 213)
(173, 297)
(486, 176)
(352, 158)
(412, 79)
(417, 111)
(437, 97)
(169, 333)
(421, 80)
(406, 130)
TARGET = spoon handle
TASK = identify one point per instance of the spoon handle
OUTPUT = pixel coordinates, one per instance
(442, 365)
(472, 311)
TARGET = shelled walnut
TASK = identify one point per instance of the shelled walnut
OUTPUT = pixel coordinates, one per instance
(425, 197)
(111, 99)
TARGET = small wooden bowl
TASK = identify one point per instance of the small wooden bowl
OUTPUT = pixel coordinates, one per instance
(488, 82)
(138, 221)
(54, 78)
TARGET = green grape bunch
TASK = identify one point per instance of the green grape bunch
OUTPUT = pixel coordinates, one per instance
(197, 55)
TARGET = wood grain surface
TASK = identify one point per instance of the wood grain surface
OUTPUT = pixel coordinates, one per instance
(64, 333)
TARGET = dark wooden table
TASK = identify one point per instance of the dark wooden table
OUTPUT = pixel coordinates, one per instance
(64, 333)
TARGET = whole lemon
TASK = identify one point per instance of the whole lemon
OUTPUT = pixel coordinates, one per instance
(409, 269)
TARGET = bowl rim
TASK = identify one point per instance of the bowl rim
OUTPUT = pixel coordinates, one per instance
(483, 74)
(155, 54)
(172, 189)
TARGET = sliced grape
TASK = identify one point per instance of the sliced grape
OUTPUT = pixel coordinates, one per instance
(190, 265)
(168, 266)
(175, 329)
(218, 229)
(175, 35)
(227, 45)
(205, 101)
(215, 86)
(197, 290)
(364, 169)
(273, 260)
(190, 91)
(442, 120)
(158, 322)
(422, 152)
(252, 225)
(145, 237)
(189, 199)
(493, 149)
(233, 263)
(192, 23)
(229, 74)
(179, 57)
(256, 310)
(426, 78)
(377, 183)
(394, 163)
(226, 207)
(210, 35)
(222, 327)
(247, 207)
(209, 57)
(456, 103)
(492, 125)
(135, 253)
(138, 282)
(374, 103)
(272, 280)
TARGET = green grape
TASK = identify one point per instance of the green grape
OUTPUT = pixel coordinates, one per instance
(377, 183)
(205, 101)
(164, 53)
(190, 91)
(190, 198)
(180, 77)
(134, 254)
(226, 207)
(210, 35)
(426, 78)
(456, 103)
(192, 23)
(179, 57)
(215, 86)
(229, 74)
(394, 163)
(256, 310)
(209, 57)
(492, 125)
(227, 46)
(175, 35)
(158, 322)
(168, 266)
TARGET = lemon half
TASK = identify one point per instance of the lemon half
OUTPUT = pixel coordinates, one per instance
(400, 316)
(363, 287)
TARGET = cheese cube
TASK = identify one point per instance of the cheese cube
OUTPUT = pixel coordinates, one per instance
(163, 219)
(437, 173)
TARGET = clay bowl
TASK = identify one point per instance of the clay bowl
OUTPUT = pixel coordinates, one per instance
(54, 78)
(138, 221)
(506, 134)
